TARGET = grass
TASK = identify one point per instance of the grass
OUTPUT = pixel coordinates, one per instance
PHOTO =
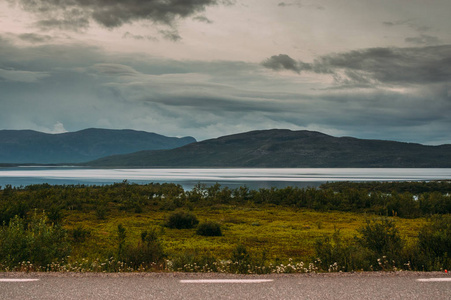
(280, 232)
(260, 229)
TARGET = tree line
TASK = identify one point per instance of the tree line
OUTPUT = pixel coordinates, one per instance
(402, 199)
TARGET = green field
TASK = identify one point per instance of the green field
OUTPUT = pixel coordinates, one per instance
(124, 227)
(282, 232)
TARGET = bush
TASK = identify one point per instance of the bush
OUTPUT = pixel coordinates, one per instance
(381, 236)
(55, 214)
(209, 229)
(148, 253)
(79, 234)
(193, 261)
(434, 242)
(9, 210)
(38, 243)
(338, 254)
(182, 220)
(101, 211)
(241, 260)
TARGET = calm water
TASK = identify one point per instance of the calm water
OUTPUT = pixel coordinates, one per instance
(252, 178)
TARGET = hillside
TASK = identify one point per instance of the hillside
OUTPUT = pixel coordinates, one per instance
(288, 149)
(27, 146)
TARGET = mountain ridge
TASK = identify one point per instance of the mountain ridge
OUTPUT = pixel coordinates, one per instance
(283, 148)
(29, 146)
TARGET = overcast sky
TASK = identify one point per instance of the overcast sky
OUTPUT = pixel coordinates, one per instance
(378, 69)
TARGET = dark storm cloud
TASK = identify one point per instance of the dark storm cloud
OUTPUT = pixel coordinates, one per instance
(82, 86)
(420, 65)
(68, 14)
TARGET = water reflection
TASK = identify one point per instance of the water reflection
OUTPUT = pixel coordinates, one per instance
(252, 178)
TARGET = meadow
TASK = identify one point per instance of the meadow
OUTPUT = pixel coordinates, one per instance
(127, 227)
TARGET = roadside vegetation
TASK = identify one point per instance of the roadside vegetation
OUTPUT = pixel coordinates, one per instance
(161, 227)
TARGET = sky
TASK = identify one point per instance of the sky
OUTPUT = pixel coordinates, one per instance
(206, 68)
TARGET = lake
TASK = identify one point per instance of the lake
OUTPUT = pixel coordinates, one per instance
(252, 178)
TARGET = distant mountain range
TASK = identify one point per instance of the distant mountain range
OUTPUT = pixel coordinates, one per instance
(27, 146)
(288, 149)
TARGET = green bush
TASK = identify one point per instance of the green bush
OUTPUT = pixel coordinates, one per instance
(55, 214)
(38, 242)
(79, 234)
(434, 242)
(101, 211)
(379, 247)
(241, 260)
(209, 229)
(10, 209)
(193, 261)
(181, 220)
(338, 254)
(381, 236)
(147, 253)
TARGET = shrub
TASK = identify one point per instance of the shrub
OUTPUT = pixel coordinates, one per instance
(181, 220)
(55, 214)
(101, 211)
(434, 242)
(121, 235)
(79, 234)
(338, 254)
(435, 238)
(147, 253)
(209, 229)
(193, 261)
(241, 260)
(381, 236)
(10, 209)
(39, 243)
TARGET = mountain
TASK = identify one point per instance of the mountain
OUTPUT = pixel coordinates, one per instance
(288, 149)
(28, 146)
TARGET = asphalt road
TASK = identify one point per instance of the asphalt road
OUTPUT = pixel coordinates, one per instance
(401, 285)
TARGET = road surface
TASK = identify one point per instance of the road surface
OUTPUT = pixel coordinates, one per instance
(376, 285)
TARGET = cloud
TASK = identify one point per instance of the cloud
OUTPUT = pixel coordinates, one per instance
(420, 65)
(77, 14)
(171, 35)
(282, 62)
(83, 86)
(21, 76)
(409, 23)
(423, 39)
(285, 4)
(114, 69)
(35, 38)
(300, 5)
(129, 35)
(203, 19)
(76, 22)
(57, 128)
(395, 23)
